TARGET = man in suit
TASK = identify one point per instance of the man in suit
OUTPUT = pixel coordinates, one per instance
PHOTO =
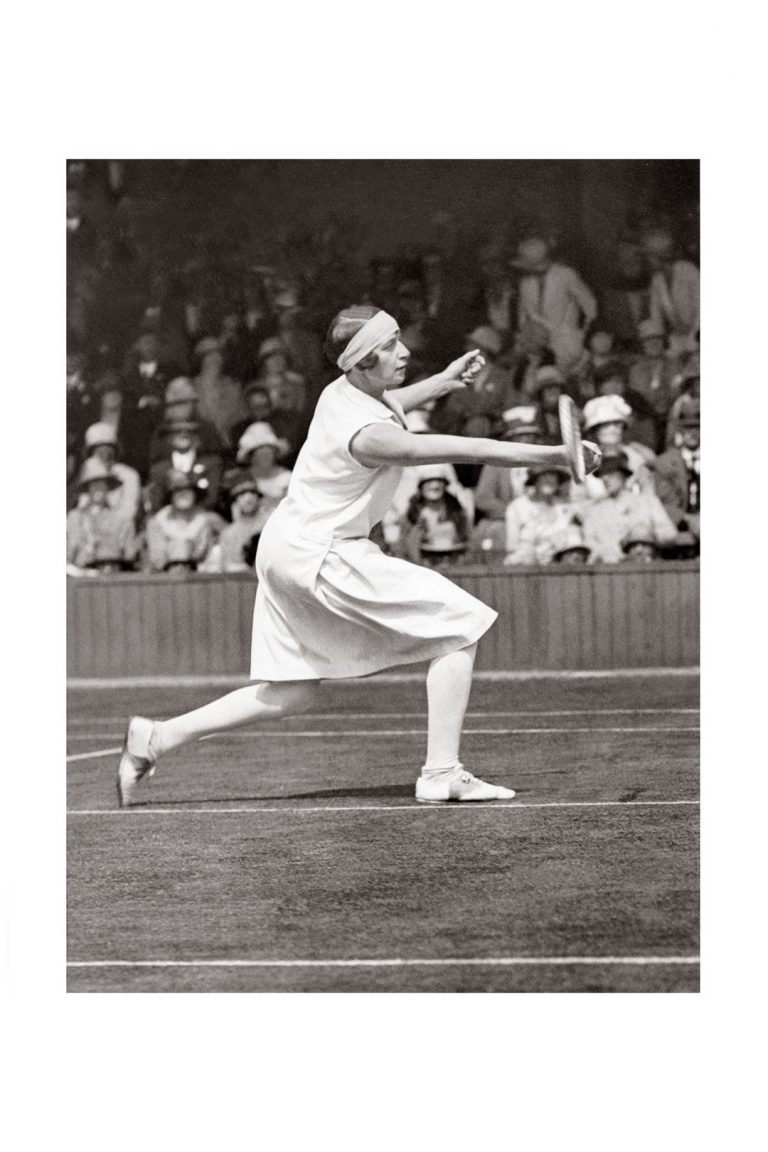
(554, 295)
(678, 481)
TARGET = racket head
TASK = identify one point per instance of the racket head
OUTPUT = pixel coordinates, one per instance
(570, 430)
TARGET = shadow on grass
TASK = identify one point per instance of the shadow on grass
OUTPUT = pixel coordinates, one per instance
(378, 792)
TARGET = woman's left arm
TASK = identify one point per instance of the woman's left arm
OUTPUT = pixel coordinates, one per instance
(426, 391)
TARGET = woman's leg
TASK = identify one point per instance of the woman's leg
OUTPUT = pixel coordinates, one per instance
(147, 740)
(443, 778)
(250, 705)
(449, 681)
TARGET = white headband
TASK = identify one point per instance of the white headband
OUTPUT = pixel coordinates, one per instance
(373, 333)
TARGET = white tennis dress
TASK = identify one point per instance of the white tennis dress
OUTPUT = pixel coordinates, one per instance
(330, 603)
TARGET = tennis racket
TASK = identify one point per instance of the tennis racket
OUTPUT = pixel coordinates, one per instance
(570, 430)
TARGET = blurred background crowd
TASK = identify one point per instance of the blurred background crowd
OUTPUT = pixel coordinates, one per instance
(194, 361)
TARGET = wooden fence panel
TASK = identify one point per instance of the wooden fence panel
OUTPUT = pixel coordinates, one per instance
(590, 618)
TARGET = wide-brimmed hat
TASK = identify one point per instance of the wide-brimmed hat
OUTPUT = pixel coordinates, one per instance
(93, 470)
(532, 255)
(614, 464)
(257, 435)
(100, 433)
(650, 330)
(543, 469)
(689, 414)
(486, 338)
(571, 541)
(425, 472)
(180, 391)
(605, 410)
(547, 376)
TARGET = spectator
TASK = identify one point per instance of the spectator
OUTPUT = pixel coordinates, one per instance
(689, 384)
(98, 536)
(257, 452)
(287, 426)
(536, 521)
(548, 385)
(220, 398)
(639, 545)
(496, 301)
(240, 538)
(498, 485)
(302, 347)
(202, 451)
(654, 377)
(436, 527)
(180, 535)
(139, 409)
(417, 331)
(605, 421)
(101, 444)
(183, 451)
(625, 302)
(678, 481)
(476, 409)
(287, 390)
(572, 549)
(610, 519)
(611, 380)
(555, 296)
(236, 346)
(674, 299)
(593, 361)
(530, 352)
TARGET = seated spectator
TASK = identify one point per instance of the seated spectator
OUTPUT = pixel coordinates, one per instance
(689, 384)
(206, 451)
(258, 452)
(496, 301)
(180, 535)
(606, 420)
(572, 550)
(240, 538)
(609, 520)
(286, 389)
(101, 444)
(99, 536)
(436, 527)
(654, 377)
(498, 485)
(639, 545)
(554, 296)
(678, 480)
(219, 397)
(302, 347)
(582, 377)
(674, 299)
(529, 352)
(537, 521)
(184, 453)
(475, 409)
(549, 384)
(611, 380)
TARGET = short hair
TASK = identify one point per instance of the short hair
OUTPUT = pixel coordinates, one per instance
(343, 327)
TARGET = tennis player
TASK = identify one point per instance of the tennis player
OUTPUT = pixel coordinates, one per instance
(329, 603)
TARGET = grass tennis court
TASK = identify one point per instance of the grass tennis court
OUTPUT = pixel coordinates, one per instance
(295, 858)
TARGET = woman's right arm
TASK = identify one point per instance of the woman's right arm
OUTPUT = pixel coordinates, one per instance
(384, 443)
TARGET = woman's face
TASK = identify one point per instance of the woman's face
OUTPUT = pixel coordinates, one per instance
(183, 500)
(433, 490)
(614, 482)
(610, 435)
(390, 366)
(264, 457)
(247, 503)
(547, 485)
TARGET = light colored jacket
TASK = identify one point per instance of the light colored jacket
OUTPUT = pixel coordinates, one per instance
(565, 304)
(675, 303)
(95, 534)
(608, 521)
(535, 530)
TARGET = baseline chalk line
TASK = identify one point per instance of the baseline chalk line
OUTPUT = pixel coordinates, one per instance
(496, 806)
(396, 962)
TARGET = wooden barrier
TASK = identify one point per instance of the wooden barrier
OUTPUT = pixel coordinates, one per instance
(628, 616)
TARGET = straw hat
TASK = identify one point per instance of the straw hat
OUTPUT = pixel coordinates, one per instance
(100, 433)
(425, 472)
(93, 470)
(605, 410)
(257, 435)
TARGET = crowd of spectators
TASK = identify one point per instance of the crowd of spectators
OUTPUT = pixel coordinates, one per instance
(180, 443)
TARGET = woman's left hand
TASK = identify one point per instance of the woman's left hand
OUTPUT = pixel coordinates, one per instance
(461, 372)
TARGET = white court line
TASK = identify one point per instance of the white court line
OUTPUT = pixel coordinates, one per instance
(285, 733)
(414, 807)
(84, 721)
(396, 962)
(87, 683)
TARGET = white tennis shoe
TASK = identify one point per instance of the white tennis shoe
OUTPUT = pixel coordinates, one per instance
(458, 785)
(137, 760)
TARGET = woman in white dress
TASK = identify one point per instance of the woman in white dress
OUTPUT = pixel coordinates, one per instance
(330, 604)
